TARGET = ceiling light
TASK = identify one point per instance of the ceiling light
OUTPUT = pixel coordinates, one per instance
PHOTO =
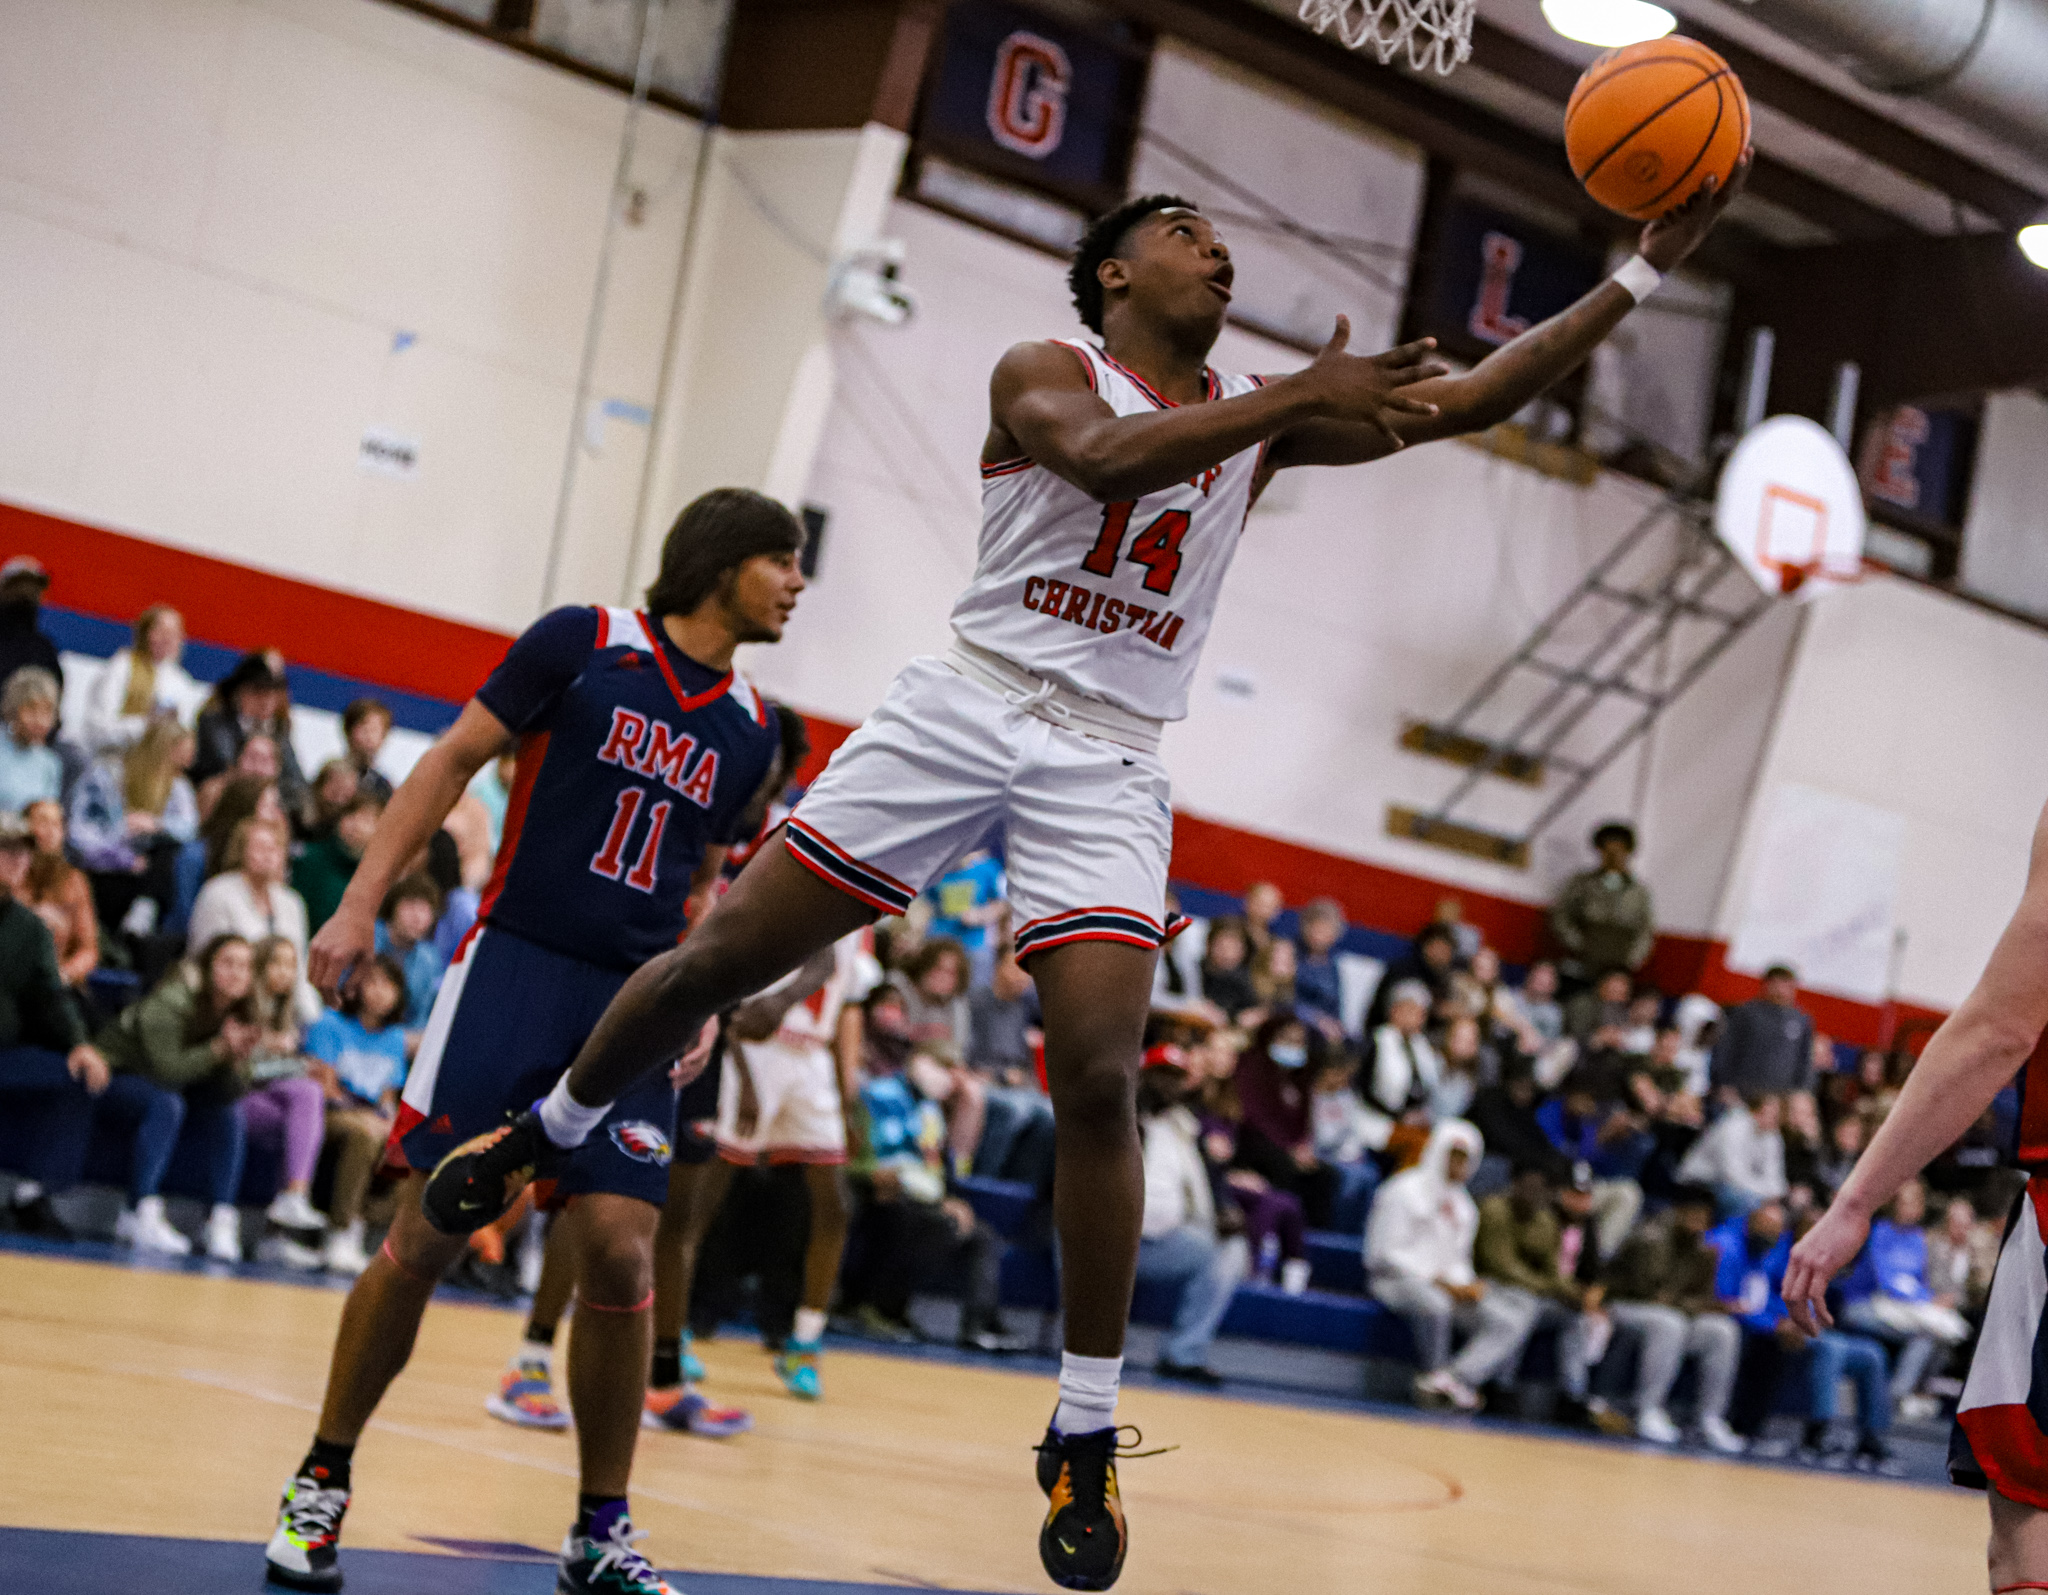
(2033, 242)
(1608, 23)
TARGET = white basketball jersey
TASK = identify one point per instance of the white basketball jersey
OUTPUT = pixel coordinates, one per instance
(814, 1022)
(1111, 600)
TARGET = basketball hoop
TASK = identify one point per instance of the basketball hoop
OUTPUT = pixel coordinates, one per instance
(1436, 34)
(1790, 509)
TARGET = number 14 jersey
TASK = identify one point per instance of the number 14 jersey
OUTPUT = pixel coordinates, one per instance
(1111, 600)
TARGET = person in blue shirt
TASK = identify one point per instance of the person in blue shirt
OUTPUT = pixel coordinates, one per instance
(1612, 1140)
(1887, 1297)
(1754, 1251)
(638, 752)
(405, 933)
(969, 901)
(1318, 991)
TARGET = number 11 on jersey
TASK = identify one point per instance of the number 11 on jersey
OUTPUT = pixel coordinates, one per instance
(610, 860)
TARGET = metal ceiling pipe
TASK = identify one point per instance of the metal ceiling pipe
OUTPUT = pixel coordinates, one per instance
(1985, 61)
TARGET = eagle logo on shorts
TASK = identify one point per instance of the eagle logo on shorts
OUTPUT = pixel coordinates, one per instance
(641, 1141)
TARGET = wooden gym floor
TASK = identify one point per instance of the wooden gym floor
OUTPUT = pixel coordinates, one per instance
(148, 1418)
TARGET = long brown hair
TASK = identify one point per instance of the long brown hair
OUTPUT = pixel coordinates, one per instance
(237, 802)
(209, 1013)
(142, 663)
(274, 1012)
(148, 770)
(48, 873)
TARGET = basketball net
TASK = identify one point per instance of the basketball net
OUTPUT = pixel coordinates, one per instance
(1436, 34)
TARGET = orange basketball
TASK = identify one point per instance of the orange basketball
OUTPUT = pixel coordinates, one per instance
(1648, 123)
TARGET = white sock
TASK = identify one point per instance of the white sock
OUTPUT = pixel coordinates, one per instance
(25, 1192)
(809, 1327)
(567, 1121)
(149, 1206)
(1088, 1388)
(532, 1354)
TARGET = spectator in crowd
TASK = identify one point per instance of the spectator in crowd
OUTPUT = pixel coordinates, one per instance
(1638, 1036)
(1518, 1253)
(1604, 918)
(1660, 1289)
(23, 581)
(1871, 1090)
(252, 699)
(1740, 1156)
(1466, 1066)
(335, 785)
(1612, 1139)
(1003, 1043)
(405, 934)
(1262, 905)
(257, 760)
(461, 901)
(285, 1107)
(1507, 1115)
(1318, 990)
(57, 890)
(492, 788)
(1539, 1004)
(179, 1057)
(1274, 1229)
(1754, 1249)
(915, 1231)
(365, 724)
(1675, 1126)
(1182, 1245)
(1450, 916)
(1347, 1135)
(321, 873)
(1505, 1026)
(1845, 1146)
(49, 1073)
(933, 983)
(358, 1058)
(1418, 1259)
(1276, 1139)
(1961, 1255)
(142, 683)
(30, 770)
(1698, 1021)
(1765, 1047)
(250, 898)
(1805, 1147)
(1403, 1071)
(244, 797)
(130, 815)
(1226, 973)
(1888, 1295)
(1272, 974)
(968, 906)
(1598, 1017)
(1432, 961)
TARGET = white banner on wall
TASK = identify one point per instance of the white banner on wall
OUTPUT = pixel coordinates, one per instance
(1823, 892)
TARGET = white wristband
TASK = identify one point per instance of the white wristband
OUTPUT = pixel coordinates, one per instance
(1639, 277)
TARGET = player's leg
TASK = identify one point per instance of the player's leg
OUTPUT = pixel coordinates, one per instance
(2019, 1545)
(526, 1389)
(379, 1324)
(825, 1244)
(610, 1340)
(695, 1193)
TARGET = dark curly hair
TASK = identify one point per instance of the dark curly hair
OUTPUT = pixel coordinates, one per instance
(1105, 236)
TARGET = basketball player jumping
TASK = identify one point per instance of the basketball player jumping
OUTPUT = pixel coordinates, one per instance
(639, 752)
(2000, 1441)
(1116, 479)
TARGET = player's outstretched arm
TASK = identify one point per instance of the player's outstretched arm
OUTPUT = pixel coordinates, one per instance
(1041, 405)
(1518, 371)
(423, 800)
(1971, 1057)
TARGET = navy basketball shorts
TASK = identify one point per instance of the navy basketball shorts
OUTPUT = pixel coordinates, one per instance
(2001, 1432)
(510, 1018)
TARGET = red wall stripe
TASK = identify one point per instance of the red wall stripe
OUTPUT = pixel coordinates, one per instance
(112, 574)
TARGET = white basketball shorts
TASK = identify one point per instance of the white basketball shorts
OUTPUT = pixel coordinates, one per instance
(945, 761)
(2001, 1432)
(797, 1118)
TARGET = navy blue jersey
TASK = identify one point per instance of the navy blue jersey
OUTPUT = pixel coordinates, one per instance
(633, 759)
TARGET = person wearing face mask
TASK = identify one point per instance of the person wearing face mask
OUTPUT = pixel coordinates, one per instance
(1604, 918)
(1276, 1140)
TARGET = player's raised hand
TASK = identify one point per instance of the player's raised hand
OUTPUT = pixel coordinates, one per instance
(1677, 233)
(347, 939)
(1830, 1246)
(1368, 388)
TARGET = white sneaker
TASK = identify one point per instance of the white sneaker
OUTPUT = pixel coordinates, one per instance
(344, 1252)
(1919, 1408)
(1716, 1433)
(1294, 1276)
(291, 1210)
(124, 1227)
(224, 1234)
(281, 1251)
(1443, 1385)
(151, 1231)
(1654, 1425)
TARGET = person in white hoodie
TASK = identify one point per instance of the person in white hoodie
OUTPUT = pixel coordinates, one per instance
(1418, 1259)
(1741, 1155)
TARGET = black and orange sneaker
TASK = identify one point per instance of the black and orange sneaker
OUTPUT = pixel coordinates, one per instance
(478, 1182)
(1083, 1541)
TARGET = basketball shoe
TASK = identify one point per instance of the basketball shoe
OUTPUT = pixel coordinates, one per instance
(689, 1411)
(478, 1182)
(607, 1564)
(1084, 1538)
(305, 1551)
(796, 1365)
(526, 1396)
